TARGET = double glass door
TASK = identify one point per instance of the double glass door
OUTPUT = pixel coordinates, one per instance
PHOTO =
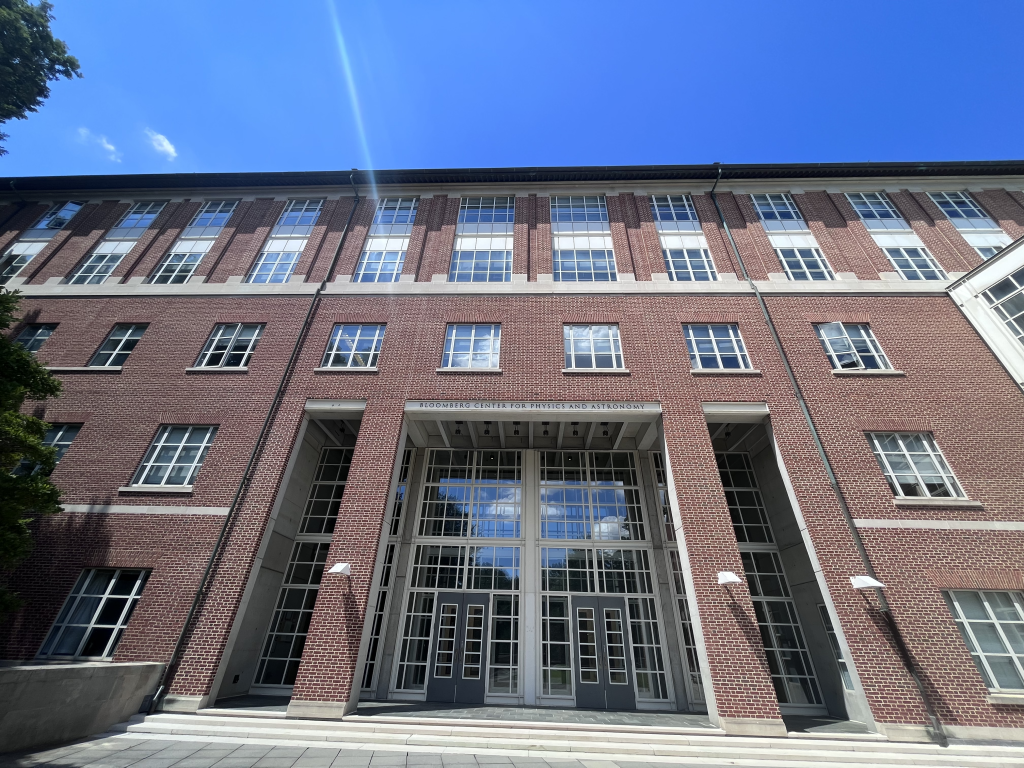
(604, 678)
(457, 671)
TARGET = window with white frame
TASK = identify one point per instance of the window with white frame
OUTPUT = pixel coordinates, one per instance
(214, 213)
(33, 335)
(175, 457)
(118, 345)
(97, 267)
(988, 251)
(851, 346)
(472, 346)
(180, 264)
(483, 241)
(876, 210)
(17, 256)
(301, 213)
(58, 215)
(1007, 300)
(715, 346)
(778, 212)
(230, 345)
(59, 437)
(395, 215)
(915, 264)
(592, 347)
(962, 210)
(992, 626)
(689, 264)
(674, 213)
(581, 239)
(354, 346)
(837, 648)
(95, 614)
(383, 255)
(913, 465)
(277, 261)
(141, 215)
(805, 264)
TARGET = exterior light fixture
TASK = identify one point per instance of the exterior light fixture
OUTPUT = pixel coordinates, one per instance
(515, 426)
(575, 431)
(458, 427)
(545, 425)
(487, 427)
(728, 577)
(865, 582)
(604, 432)
(343, 568)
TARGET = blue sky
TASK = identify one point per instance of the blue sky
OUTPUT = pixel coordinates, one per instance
(233, 85)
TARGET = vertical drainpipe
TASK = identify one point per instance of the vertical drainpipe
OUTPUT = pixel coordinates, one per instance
(937, 733)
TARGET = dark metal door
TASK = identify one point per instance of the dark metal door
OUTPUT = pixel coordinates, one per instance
(457, 668)
(604, 678)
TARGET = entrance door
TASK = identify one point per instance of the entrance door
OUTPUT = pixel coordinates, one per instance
(457, 670)
(605, 674)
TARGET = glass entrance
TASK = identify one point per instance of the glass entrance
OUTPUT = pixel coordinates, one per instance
(605, 674)
(460, 641)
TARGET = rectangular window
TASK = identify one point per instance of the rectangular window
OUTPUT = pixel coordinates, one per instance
(58, 215)
(493, 568)
(962, 210)
(277, 261)
(913, 465)
(567, 570)
(33, 335)
(715, 346)
(118, 345)
(915, 264)
(472, 266)
(395, 216)
(648, 661)
(592, 347)
(992, 626)
(581, 239)
(97, 267)
(412, 659)
(298, 217)
(1007, 300)
(381, 266)
(473, 493)
(503, 661)
(472, 346)
(876, 210)
(377, 623)
(213, 213)
(851, 346)
(590, 495)
(175, 457)
(141, 215)
(230, 346)
(837, 649)
(580, 265)
(988, 251)
(478, 215)
(689, 264)
(326, 491)
(439, 567)
(399, 504)
(180, 264)
(383, 254)
(778, 212)
(804, 264)
(354, 346)
(95, 614)
(556, 646)
(661, 481)
(674, 213)
(17, 256)
(623, 571)
(746, 507)
(58, 436)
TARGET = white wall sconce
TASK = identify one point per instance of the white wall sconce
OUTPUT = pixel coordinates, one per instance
(865, 582)
(728, 577)
(343, 568)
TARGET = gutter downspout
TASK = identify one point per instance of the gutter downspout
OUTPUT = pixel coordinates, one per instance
(257, 452)
(937, 733)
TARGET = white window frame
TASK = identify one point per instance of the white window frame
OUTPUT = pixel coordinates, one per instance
(121, 341)
(17, 256)
(181, 262)
(691, 256)
(1004, 306)
(910, 469)
(214, 211)
(101, 263)
(915, 271)
(996, 629)
(361, 359)
(562, 275)
(378, 254)
(281, 267)
(988, 251)
(29, 338)
(303, 212)
(851, 342)
(963, 211)
(580, 209)
(228, 340)
(59, 436)
(141, 215)
(608, 346)
(395, 216)
(778, 212)
(674, 213)
(184, 454)
(485, 266)
(874, 204)
(54, 214)
(472, 355)
(805, 257)
(78, 603)
(731, 336)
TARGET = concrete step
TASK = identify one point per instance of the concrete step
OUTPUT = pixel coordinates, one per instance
(609, 744)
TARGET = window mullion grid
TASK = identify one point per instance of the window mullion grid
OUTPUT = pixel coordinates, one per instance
(1002, 634)
(891, 475)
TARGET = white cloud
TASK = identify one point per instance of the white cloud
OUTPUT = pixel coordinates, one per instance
(161, 144)
(85, 136)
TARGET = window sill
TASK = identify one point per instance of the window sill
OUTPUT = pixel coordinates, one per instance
(1006, 698)
(155, 489)
(211, 369)
(597, 371)
(920, 501)
(329, 369)
(867, 372)
(725, 371)
(485, 371)
(84, 369)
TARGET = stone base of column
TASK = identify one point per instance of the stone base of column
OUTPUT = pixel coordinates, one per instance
(320, 710)
(752, 726)
(172, 703)
(906, 732)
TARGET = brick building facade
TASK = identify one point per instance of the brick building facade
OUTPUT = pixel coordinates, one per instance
(571, 437)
